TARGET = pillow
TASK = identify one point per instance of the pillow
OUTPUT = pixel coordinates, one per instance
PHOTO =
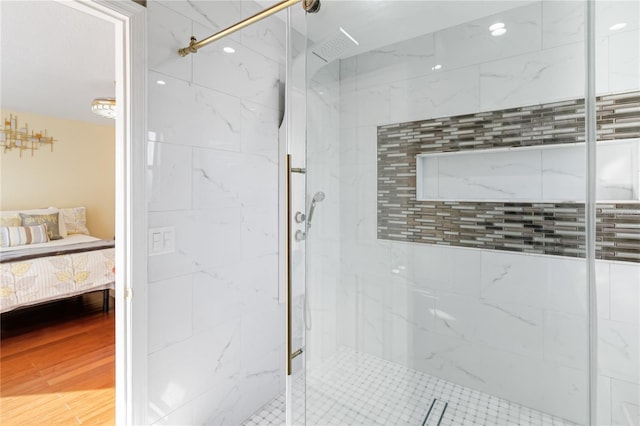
(61, 227)
(11, 236)
(75, 220)
(12, 218)
(50, 219)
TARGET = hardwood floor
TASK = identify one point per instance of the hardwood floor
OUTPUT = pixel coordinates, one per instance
(57, 364)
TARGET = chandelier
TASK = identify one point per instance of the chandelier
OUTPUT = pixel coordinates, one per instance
(104, 107)
(13, 137)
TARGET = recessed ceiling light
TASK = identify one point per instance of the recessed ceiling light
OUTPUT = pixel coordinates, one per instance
(161, 82)
(436, 67)
(496, 26)
(498, 32)
(229, 49)
(618, 26)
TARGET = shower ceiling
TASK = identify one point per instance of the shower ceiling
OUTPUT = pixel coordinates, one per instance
(379, 23)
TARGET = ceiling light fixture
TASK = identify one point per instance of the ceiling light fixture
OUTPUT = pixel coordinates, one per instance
(161, 82)
(497, 29)
(229, 49)
(436, 67)
(618, 26)
(104, 107)
(349, 35)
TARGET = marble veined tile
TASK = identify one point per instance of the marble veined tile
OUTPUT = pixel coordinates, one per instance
(471, 43)
(215, 15)
(615, 172)
(440, 93)
(259, 231)
(618, 350)
(266, 36)
(216, 238)
(217, 178)
(183, 371)
(170, 310)
(563, 172)
(222, 179)
(533, 78)
(244, 74)
(612, 12)
(624, 61)
(188, 114)
(217, 297)
(562, 23)
(169, 175)
(505, 326)
(372, 106)
(260, 126)
(554, 173)
(513, 278)
(566, 289)
(395, 62)
(169, 33)
(263, 347)
(552, 388)
(563, 176)
(428, 183)
(625, 293)
(512, 175)
(566, 340)
(624, 394)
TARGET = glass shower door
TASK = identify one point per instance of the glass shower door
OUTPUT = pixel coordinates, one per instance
(293, 154)
(445, 272)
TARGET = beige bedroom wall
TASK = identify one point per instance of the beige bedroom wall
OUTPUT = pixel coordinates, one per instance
(79, 172)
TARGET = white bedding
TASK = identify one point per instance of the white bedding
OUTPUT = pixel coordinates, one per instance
(70, 239)
(34, 281)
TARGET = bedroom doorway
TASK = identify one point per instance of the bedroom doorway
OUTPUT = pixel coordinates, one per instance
(129, 316)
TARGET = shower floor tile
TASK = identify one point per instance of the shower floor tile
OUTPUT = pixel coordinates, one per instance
(352, 388)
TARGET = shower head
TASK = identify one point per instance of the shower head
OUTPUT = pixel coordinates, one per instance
(318, 197)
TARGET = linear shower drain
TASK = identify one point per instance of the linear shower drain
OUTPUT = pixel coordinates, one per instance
(435, 413)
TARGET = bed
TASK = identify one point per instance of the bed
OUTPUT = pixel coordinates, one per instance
(34, 273)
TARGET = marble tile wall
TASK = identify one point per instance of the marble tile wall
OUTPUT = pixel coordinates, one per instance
(542, 173)
(510, 323)
(323, 239)
(216, 335)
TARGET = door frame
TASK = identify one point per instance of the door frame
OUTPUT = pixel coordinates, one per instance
(129, 19)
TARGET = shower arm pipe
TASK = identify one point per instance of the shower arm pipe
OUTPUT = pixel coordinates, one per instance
(310, 6)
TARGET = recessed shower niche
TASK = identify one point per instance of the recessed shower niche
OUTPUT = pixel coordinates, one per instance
(550, 173)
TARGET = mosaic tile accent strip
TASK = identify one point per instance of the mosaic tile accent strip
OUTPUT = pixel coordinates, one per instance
(354, 388)
(540, 228)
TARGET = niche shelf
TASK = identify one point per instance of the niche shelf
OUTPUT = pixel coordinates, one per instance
(545, 173)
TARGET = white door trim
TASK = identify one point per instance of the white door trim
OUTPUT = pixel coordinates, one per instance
(129, 19)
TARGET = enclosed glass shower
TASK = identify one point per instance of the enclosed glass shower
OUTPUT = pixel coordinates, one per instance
(474, 254)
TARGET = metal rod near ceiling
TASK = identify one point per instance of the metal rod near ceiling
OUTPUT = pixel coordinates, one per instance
(310, 6)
